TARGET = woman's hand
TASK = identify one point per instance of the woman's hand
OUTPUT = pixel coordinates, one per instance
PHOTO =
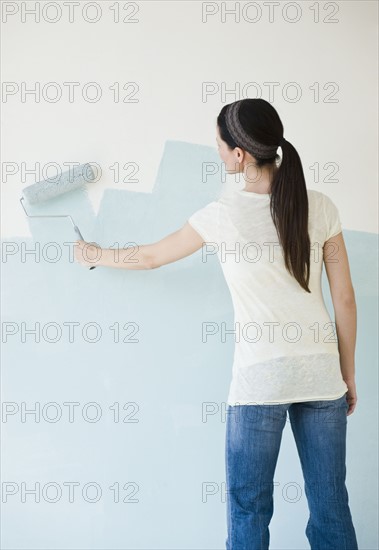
(87, 254)
(351, 396)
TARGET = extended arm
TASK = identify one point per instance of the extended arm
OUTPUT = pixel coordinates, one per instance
(173, 247)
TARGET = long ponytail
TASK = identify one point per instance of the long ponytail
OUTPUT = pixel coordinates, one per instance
(289, 199)
(289, 210)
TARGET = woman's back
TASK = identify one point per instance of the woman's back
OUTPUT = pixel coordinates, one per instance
(285, 341)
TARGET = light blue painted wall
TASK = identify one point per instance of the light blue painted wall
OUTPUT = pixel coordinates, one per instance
(169, 374)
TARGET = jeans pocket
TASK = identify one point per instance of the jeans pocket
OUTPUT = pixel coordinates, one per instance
(343, 399)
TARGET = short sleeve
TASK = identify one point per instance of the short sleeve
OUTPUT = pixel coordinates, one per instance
(207, 222)
(332, 218)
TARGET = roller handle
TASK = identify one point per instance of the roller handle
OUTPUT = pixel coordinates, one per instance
(76, 229)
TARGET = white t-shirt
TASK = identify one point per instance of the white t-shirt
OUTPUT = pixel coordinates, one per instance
(285, 341)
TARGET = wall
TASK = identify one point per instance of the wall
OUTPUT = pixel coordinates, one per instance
(148, 420)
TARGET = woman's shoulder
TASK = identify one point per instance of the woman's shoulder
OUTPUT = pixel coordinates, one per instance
(315, 196)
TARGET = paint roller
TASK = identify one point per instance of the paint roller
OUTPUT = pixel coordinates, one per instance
(68, 181)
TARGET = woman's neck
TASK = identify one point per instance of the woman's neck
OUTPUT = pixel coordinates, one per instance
(262, 181)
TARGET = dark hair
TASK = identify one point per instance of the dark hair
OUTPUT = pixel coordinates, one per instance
(289, 197)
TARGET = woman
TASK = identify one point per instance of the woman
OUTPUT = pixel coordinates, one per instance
(272, 239)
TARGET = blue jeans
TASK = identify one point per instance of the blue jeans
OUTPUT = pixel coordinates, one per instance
(253, 437)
